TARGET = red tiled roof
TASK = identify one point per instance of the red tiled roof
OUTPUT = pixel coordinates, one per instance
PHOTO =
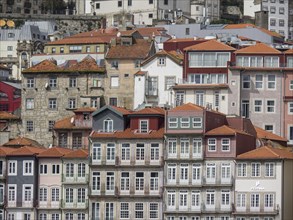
(141, 73)
(186, 40)
(81, 40)
(128, 32)
(66, 124)
(55, 152)
(211, 45)
(267, 152)
(5, 150)
(150, 111)
(22, 141)
(122, 110)
(259, 48)
(139, 50)
(173, 55)
(201, 86)
(88, 64)
(7, 116)
(150, 31)
(263, 134)
(129, 134)
(80, 153)
(44, 66)
(85, 109)
(26, 151)
(290, 51)
(187, 107)
(224, 130)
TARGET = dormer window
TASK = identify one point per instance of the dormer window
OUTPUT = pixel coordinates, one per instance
(161, 61)
(184, 122)
(108, 125)
(143, 126)
(114, 64)
(197, 122)
(173, 122)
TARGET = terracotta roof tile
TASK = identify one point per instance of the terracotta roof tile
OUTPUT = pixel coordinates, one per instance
(85, 109)
(22, 141)
(177, 57)
(128, 32)
(139, 50)
(259, 48)
(186, 40)
(80, 153)
(55, 152)
(201, 86)
(122, 110)
(224, 130)
(66, 124)
(211, 45)
(82, 40)
(290, 51)
(140, 73)
(263, 134)
(150, 31)
(5, 150)
(129, 134)
(88, 64)
(44, 66)
(149, 111)
(267, 152)
(7, 116)
(26, 151)
(187, 107)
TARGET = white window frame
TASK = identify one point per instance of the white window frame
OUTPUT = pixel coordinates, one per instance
(184, 147)
(96, 181)
(212, 144)
(140, 152)
(185, 122)
(114, 81)
(225, 144)
(11, 193)
(183, 200)
(270, 106)
(258, 107)
(155, 152)
(172, 122)
(241, 169)
(171, 200)
(111, 152)
(246, 81)
(211, 172)
(172, 147)
(24, 190)
(54, 167)
(29, 172)
(125, 152)
(154, 181)
(154, 210)
(97, 152)
(143, 126)
(29, 103)
(108, 125)
(139, 181)
(172, 172)
(124, 210)
(241, 201)
(271, 82)
(259, 81)
(12, 171)
(197, 148)
(269, 169)
(43, 194)
(184, 173)
(290, 108)
(55, 194)
(124, 181)
(196, 173)
(197, 122)
(255, 169)
(254, 201)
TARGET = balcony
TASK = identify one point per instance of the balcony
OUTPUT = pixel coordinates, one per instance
(49, 204)
(270, 65)
(257, 210)
(75, 205)
(218, 181)
(27, 204)
(75, 179)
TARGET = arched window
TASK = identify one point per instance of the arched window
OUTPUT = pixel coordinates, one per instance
(108, 125)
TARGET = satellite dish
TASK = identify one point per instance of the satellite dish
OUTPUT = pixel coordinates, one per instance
(10, 23)
(72, 120)
(118, 34)
(2, 23)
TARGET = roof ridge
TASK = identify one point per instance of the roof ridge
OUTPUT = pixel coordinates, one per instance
(273, 152)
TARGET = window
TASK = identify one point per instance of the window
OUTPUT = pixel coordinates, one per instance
(259, 81)
(55, 216)
(173, 122)
(241, 200)
(184, 122)
(199, 98)
(225, 144)
(69, 195)
(137, 63)
(29, 103)
(27, 195)
(12, 168)
(72, 82)
(114, 81)
(110, 181)
(269, 169)
(96, 156)
(208, 59)
(53, 82)
(151, 2)
(155, 151)
(55, 194)
(281, 22)
(182, 199)
(125, 151)
(165, 2)
(169, 82)
(76, 140)
(139, 181)
(55, 169)
(43, 194)
(184, 172)
(225, 197)
(129, 2)
(81, 195)
(139, 210)
(225, 171)
(290, 108)
(210, 197)
(108, 125)
(9, 48)
(171, 172)
(187, 31)
(241, 169)
(51, 125)
(269, 200)
(124, 210)
(11, 35)
(52, 103)
(81, 170)
(28, 167)
(211, 171)
(75, 49)
(110, 152)
(154, 210)
(255, 169)
(30, 82)
(269, 128)
(62, 139)
(26, 216)
(69, 170)
(53, 49)
(139, 151)
(143, 126)
(271, 61)
(254, 200)
(1, 196)
(154, 181)
(271, 106)
(96, 181)
(246, 82)
(272, 10)
(184, 147)
(80, 216)
(12, 193)
(179, 98)
(124, 181)
(61, 49)
(211, 144)
(29, 126)
(196, 172)
(69, 216)
(71, 103)
(271, 82)
(113, 101)
(171, 196)
(114, 64)
(11, 216)
(257, 105)
(42, 216)
(172, 146)
(119, 3)
(161, 61)
(150, 15)
(217, 99)
(97, 5)
(197, 147)
(43, 169)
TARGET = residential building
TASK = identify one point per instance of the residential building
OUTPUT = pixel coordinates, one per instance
(9, 126)
(258, 80)
(153, 83)
(75, 182)
(50, 182)
(73, 132)
(21, 141)
(205, 11)
(51, 92)
(126, 164)
(205, 76)
(10, 97)
(4, 73)
(263, 187)
(22, 183)
(200, 148)
(122, 61)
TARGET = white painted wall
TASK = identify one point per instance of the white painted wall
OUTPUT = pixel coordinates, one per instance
(139, 90)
